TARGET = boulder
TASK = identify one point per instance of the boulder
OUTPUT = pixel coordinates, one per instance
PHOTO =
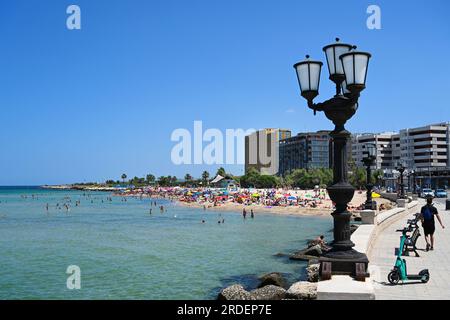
(312, 272)
(235, 292)
(269, 292)
(315, 250)
(313, 243)
(280, 254)
(274, 278)
(302, 257)
(302, 290)
(308, 254)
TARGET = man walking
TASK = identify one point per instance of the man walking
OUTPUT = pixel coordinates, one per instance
(427, 214)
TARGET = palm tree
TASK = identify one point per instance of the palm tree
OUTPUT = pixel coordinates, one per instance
(187, 178)
(124, 176)
(162, 181)
(205, 176)
(150, 178)
(221, 172)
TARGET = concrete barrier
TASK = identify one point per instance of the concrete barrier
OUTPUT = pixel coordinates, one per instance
(390, 196)
(401, 203)
(368, 216)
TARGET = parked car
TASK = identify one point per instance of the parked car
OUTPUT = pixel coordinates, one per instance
(441, 193)
(426, 192)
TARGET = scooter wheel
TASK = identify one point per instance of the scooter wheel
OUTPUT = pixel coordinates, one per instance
(394, 277)
(425, 277)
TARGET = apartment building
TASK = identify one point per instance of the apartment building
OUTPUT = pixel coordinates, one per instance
(305, 151)
(262, 150)
(424, 151)
(383, 147)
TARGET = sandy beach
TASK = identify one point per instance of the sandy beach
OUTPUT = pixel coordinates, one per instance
(323, 209)
(307, 204)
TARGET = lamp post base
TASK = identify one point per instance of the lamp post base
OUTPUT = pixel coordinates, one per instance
(348, 262)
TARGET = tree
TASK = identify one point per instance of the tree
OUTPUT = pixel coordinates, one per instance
(376, 176)
(309, 178)
(221, 171)
(136, 181)
(163, 181)
(205, 176)
(253, 179)
(358, 178)
(150, 178)
(187, 179)
(124, 176)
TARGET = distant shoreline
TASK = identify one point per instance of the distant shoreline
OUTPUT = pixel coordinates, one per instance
(82, 188)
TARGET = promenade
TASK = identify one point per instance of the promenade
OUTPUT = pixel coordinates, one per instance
(437, 261)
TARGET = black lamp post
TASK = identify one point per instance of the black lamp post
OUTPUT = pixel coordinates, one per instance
(401, 168)
(348, 70)
(369, 160)
(413, 173)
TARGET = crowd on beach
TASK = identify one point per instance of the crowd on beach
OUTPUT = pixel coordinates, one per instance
(265, 198)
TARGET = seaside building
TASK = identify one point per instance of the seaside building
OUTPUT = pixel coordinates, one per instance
(424, 151)
(305, 151)
(383, 147)
(262, 150)
(224, 183)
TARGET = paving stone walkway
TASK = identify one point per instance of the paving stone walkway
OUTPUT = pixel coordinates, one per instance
(436, 261)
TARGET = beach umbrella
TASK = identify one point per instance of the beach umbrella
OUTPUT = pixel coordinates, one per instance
(255, 195)
(292, 198)
(278, 196)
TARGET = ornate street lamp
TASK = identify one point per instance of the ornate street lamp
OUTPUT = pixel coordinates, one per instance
(308, 75)
(333, 53)
(342, 258)
(401, 168)
(369, 160)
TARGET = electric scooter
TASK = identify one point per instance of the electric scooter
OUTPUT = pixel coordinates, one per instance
(400, 272)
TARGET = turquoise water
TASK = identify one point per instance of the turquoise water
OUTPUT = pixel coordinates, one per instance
(126, 253)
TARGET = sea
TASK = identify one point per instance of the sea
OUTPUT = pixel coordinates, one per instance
(109, 248)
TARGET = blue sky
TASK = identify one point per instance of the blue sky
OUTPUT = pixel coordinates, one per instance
(90, 104)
